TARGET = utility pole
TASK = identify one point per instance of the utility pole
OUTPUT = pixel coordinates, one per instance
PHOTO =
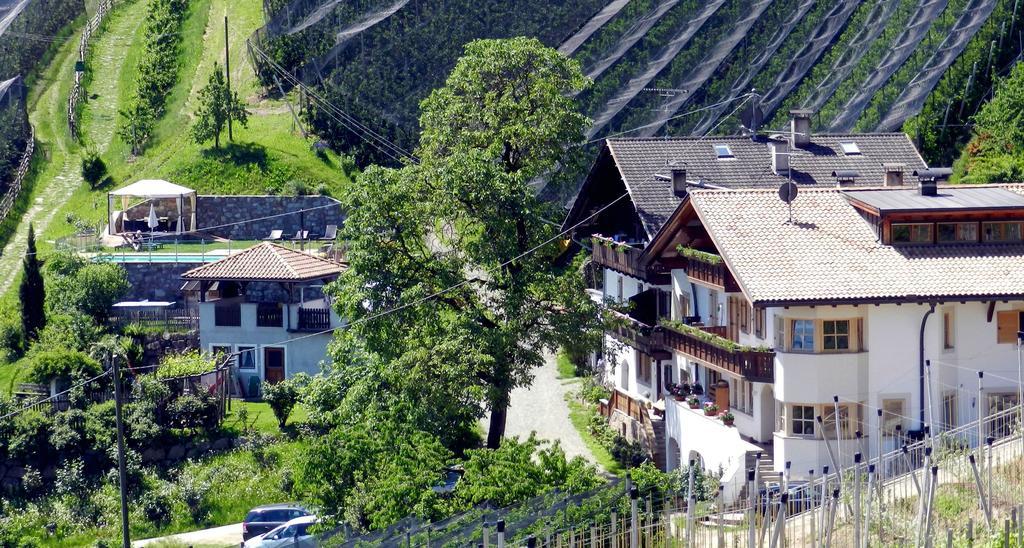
(122, 474)
(227, 74)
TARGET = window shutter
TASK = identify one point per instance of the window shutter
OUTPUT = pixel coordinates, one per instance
(1007, 324)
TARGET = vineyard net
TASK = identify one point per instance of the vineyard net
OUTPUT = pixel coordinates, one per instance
(905, 45)
(655, 66)
(635, 34)
(14, 130)
(741, 83)
(596, 22)
(844, 64)
(913, 97)
(706, 68)
(28, 28)
(827, 31)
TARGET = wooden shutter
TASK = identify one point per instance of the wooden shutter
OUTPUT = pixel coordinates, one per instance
(1007, 324)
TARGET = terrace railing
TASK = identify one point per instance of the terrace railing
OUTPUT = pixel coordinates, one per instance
(269, 315)
(171, 319)
(314, 319)
(753, 365)
(618, 257)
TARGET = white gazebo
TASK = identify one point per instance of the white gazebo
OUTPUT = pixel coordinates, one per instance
(151, 210)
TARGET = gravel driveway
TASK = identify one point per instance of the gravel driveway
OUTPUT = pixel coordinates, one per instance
(228, 535)
(541, 408)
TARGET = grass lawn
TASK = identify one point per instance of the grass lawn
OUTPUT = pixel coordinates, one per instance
(566, 369)
(261, 417)
(579, 415)
(10, 375)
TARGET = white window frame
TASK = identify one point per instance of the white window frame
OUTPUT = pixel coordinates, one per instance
(850, 148)
(803, 335)
(263, 365)
(723, 151)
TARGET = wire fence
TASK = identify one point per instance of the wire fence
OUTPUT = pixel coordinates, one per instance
(14, 188)
(77, 92)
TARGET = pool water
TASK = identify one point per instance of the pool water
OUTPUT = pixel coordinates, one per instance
(161, 257)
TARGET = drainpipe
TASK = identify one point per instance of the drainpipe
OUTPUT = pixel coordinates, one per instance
(920, 381)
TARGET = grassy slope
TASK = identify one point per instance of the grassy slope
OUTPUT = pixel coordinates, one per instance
(264, 157)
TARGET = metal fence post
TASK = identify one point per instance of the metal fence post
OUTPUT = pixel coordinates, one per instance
(752, 512)
(856, 500)
(634, 532)
(501, 533)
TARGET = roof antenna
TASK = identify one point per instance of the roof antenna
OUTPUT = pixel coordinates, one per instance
(787, 193)
(752, 116)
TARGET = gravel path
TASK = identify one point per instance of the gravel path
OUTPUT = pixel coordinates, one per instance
(541, 408)
(228, 535)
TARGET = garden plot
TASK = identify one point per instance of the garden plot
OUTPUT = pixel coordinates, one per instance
(639, 30)
(705, 69)
(858, 46)
(668, 53)
(741, 84)
(905, 45)
(828, 29)
(596, 22)
(913, 97)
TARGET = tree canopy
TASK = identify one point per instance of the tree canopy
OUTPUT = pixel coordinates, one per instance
(217, 106)
(462, 250)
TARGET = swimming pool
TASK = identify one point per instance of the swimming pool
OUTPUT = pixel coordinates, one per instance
(160, 257)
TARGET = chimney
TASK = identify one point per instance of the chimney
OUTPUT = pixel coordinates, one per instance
(893, 174)
(929, 179)
(679, 181)
(778, 147)
(845, 177)
(800, 125)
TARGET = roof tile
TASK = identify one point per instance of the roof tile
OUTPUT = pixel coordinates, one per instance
(267, 262)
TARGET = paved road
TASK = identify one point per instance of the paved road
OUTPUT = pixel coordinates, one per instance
(541, 408)
(228, 535)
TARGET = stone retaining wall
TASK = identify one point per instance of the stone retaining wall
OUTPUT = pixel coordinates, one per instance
(156, 281)
(12, 471)
(155, 346)
(213, 213)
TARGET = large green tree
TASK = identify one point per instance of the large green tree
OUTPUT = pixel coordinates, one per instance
(461, 250)
(31, 292)
(217, 105)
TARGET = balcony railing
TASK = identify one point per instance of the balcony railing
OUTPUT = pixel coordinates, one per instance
(618, 256)
(631, 332)
(752, 364)
(227, 315)
(314, 319)
(269, 315)
(708, 268)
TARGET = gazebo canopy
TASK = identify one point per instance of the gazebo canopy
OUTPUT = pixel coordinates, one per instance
(153, 188)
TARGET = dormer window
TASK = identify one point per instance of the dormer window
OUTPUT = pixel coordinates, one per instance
(850, 148)
(723, 152)
(1001, 232)
(912, 233)
(957, 232)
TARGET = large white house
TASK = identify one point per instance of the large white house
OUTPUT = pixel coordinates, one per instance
(787, 324)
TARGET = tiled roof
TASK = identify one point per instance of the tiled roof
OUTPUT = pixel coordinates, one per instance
(266, 262)
(639, 160)
(831, 254)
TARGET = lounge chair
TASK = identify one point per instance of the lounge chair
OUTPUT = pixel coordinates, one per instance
(301, 235)
(330, 233)
(275, 235)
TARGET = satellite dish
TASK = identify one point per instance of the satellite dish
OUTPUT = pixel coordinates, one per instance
(788, 192)
(752, 116)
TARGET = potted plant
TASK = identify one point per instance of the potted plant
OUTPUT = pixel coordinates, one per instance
(728, 418)
(697, 388)
(710, 409)
(693, 402)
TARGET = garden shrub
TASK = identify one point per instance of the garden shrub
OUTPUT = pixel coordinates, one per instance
(94, 170)
(67, 434)
(186, 364)
(30, 440)
(62, 364)
(156, 506)
(12, 338)
(283, 396)
(193, 411)
(74, 331)
(101, 426)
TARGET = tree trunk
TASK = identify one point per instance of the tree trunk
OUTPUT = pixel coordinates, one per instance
(496, 430)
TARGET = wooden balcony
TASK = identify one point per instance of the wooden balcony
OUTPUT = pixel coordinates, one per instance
(711, 273)
(752, 365)
(618, 257)
(643, 337)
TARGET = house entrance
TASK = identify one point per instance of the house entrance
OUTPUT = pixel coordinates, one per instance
(273, 364)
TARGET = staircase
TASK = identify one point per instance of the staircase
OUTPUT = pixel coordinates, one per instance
(765, 471)
(656, 431)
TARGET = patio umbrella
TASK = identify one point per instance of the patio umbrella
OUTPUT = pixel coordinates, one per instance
(153, 222)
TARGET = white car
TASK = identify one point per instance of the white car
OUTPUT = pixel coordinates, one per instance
(292, 533)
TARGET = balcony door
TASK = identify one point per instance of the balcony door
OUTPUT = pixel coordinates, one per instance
(273, 364)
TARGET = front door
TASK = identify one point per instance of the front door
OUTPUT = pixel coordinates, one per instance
(273, 365)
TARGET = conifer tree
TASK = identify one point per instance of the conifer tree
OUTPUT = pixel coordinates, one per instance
(32, 294)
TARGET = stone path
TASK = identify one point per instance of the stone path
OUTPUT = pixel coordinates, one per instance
(228, 535)
(542, 408)
(51, 192)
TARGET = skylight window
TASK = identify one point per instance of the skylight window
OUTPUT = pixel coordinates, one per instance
(723, 151)
(849, 148)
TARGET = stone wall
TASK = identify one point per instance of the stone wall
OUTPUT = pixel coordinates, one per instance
(156, 281)
(155, 346)
(12, 471)
(218, 211)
